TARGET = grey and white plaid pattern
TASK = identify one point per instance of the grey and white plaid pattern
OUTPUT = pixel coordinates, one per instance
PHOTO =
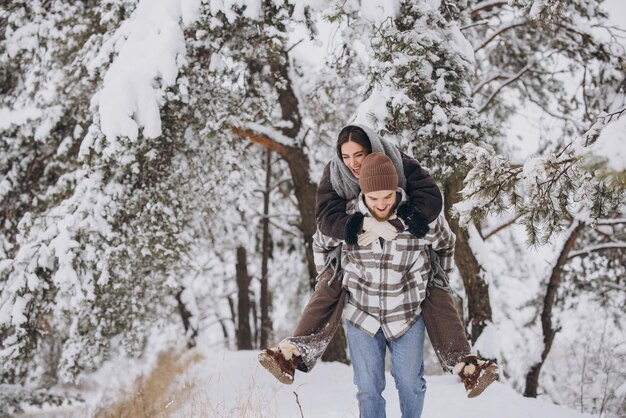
(387, 280)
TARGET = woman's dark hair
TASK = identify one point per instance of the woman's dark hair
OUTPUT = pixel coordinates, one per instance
(354, 134)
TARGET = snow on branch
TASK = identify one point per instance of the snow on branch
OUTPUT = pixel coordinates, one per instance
(539, 192)
(271, 133)
(609, 146)
(150, 48)
(608, 117)
(615, 221)
(612, 285)
(597, 248)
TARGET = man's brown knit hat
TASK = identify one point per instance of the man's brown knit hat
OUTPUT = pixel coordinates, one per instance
(377, 173)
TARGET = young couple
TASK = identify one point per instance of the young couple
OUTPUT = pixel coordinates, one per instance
(383, 249)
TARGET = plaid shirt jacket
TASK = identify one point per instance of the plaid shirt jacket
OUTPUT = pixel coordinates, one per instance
(386, 281)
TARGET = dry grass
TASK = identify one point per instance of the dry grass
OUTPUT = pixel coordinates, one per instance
(168, 391)
(248, 403)
(153, 395)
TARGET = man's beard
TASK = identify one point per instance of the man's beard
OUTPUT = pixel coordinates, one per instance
(387, 215)
(381, 219)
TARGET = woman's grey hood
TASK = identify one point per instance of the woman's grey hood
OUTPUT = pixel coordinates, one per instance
(342, 179)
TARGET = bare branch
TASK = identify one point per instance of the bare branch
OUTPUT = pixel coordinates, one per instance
(294, 45)
(261, 140)
(612, 27)
(549, 112)
(584, 94)
(597, 248)
(505, 28)
(285, 230)
(610, 116)
(612, 285)
(532, 378)
(611, 221)
(501, 227)
(606, 236)
(472, 25)
(279, 183)
(503, 85)
(487, 81)
(299, 406)
(270, 219)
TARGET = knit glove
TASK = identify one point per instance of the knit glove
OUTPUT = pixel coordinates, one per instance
(383, 229)
(366, 238)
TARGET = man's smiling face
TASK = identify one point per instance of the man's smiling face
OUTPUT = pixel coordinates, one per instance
(381, 203)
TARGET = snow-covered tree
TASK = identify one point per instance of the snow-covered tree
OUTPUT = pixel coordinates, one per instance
(419, 92)
(133, 138)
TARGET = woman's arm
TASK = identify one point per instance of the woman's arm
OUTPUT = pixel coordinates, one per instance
(425, 201)
(443, 240)
(330, 213)
(425, 204)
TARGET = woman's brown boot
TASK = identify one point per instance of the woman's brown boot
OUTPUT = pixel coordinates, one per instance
(476, 374)
(274, 361)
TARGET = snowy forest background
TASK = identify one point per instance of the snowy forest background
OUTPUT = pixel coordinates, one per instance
(159, 159)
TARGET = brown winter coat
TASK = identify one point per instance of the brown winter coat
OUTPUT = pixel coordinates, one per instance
(425, 204)
(322, 314)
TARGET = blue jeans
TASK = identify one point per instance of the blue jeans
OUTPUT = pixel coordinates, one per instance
(407, 368)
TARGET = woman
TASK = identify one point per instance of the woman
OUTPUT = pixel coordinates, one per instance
(340, 183)
(322, 315)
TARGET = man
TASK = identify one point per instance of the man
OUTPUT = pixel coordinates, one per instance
(386, 283)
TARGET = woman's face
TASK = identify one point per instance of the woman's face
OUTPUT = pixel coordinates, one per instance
(352, 155)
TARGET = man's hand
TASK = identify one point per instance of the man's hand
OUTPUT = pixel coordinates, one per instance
(366, 238)
(383, 229)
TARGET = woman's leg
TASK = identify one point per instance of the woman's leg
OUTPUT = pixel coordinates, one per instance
(319, 321)
(444, 326)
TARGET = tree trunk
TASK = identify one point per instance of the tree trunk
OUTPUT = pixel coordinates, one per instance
(476, 289)
(289, 106)
(50, 343)
(255, 322)
(244, 336)
(305, 191)
(190, 332)
(298, 162)
(224, 331)
(295, 156)
(266, 321)
(532, 378)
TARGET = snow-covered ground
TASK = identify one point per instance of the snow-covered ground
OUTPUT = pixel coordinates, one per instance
(232, 384)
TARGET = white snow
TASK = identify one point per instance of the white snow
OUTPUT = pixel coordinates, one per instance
(377, 11)
(373, 110)
(611, 145)
(537, 7)
(460, 42)
(151, 49)
(147, 52)
(18, 116)
(233, 384)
